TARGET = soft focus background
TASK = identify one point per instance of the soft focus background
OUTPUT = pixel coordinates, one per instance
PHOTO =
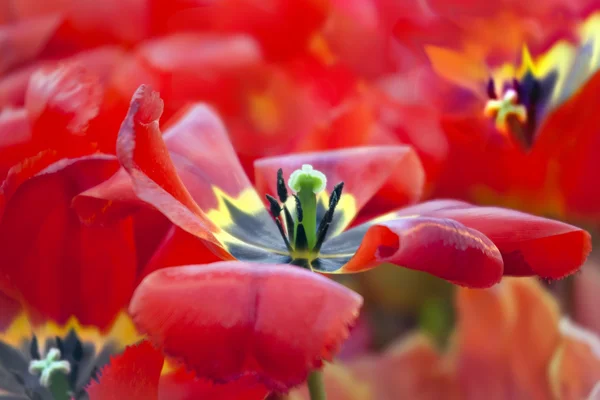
(295, 76)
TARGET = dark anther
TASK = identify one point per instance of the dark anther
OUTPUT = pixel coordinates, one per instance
(282, 192)
(336, 193)
(60, 345)
(299, 213)
(275, 210)
(78, 351)
(334, 199)
(34, 349)
(301, 239)
(274, 206)
(491, 90)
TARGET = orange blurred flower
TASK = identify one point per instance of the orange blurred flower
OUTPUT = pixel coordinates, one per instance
(509, 343)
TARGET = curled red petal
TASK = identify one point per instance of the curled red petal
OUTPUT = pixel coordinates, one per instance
(132, 375)
(441, 247)
(530, 245)
(232, 319)
(144, 155)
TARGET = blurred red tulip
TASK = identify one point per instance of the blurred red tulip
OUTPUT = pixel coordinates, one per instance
(534, 150)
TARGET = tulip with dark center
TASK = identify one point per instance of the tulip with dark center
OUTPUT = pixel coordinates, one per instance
(265, 314)
(52, 362)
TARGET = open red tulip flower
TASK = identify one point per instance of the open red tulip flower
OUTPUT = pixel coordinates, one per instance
(50, 262)
(264, 312)
(523, 135)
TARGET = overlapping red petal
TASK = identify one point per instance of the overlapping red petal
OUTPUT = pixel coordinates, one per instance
(134, 375)
(232, 319)
(53, 264)
(441, 247)
(529, 245)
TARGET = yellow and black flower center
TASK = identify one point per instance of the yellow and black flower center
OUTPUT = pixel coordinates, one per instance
(518, 107)
(300, 233)
(59, 371)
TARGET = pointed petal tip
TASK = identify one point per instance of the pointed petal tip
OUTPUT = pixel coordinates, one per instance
(146, 105)
(232, 319)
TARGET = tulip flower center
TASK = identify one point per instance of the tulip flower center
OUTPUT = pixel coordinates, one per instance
(53, 373)
(62, 373)
(302, 237)
(517, 108)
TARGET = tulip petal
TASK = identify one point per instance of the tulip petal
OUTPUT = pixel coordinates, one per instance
(133, 375)
(15, 138)
(364, 171)
(183, 385)
(441, 247)
(65, 98)
(530, 245)
(207, 196)
(232, 319)
(52, 263)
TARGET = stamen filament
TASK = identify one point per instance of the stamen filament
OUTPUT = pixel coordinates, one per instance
(289, 223)
(275, 210)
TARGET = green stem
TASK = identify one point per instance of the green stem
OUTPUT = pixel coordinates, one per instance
(308, 200)
(59, 386)
(316, 387)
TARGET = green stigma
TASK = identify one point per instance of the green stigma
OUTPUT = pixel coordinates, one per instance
(307, 179)
(53, 373)
(300, 233)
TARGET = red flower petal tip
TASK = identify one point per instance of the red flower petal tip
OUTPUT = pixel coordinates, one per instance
(132, 375)
(146, 105)
(232, 319)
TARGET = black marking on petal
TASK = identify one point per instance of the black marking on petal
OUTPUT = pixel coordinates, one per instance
(250, 253)
(330, 265)
(257, 229)
(346, 242)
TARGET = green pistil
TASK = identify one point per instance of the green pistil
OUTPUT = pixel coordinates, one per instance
(53, 373)
(307, 183)
(302, 231)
